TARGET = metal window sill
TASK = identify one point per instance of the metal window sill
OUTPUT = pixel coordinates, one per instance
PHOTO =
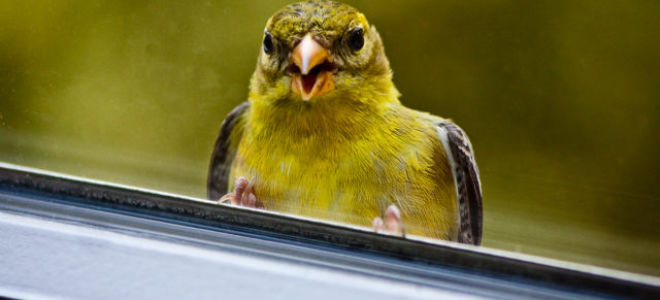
(149, 236)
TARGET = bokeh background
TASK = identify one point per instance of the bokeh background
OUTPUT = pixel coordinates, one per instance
(561, 100)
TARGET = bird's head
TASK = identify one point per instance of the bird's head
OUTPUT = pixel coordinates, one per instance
(318, 51)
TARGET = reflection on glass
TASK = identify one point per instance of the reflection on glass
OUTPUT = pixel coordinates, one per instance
(562, 109)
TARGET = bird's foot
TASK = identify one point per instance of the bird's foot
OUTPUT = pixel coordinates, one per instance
(392, 223)
(243, 194)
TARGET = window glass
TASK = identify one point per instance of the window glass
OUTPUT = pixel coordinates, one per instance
(560, 100)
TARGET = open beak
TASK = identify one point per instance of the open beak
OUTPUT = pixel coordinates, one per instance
(311, 69)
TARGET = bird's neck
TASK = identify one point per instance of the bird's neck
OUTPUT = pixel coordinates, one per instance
(335, 117)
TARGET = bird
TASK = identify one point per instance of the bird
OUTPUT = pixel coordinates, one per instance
(323, 134)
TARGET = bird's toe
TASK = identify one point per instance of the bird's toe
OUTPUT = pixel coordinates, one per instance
(378, 224)
(391, 223)
(243, 194)
(393, 219)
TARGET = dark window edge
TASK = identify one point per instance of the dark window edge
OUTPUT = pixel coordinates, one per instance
(152, 204)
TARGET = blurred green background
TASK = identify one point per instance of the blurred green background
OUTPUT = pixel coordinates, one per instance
(560, 99)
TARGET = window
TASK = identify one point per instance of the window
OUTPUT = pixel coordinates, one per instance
(561, 108)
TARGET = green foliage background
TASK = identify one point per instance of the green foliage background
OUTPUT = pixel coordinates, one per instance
(560, 98)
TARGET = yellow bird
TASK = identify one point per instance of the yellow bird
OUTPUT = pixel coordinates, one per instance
(323, 135)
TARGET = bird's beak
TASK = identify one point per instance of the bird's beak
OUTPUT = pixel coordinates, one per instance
(312, 68)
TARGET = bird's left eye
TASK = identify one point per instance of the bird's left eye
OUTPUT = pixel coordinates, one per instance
(356, 39)
(268, 43)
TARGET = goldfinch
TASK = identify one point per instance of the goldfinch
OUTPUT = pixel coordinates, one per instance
(324, 135)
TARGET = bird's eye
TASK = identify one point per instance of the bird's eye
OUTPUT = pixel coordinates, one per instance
(268, 43)
(356, 39)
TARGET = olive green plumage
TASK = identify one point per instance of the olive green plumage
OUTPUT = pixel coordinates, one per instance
(348, 154)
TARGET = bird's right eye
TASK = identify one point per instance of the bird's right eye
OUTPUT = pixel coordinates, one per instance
(268, 43)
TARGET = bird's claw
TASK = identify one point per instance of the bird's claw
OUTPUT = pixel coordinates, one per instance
(243, 194)
(392, 223)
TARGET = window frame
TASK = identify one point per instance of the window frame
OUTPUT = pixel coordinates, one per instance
(419, 255)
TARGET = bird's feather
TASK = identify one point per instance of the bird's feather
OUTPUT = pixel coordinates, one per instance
(224, 152)
(466, 176)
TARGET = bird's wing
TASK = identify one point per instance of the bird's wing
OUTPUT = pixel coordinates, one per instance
(466, 178)
(224, 152)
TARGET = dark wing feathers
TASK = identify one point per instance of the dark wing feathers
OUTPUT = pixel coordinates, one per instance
(223, 155)
(467, 184)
